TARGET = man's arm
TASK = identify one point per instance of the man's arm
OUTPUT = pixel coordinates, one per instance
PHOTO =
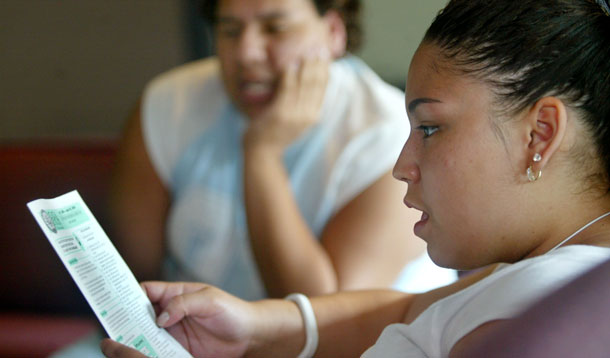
(365, 245)
(137, 205)
(367, 242)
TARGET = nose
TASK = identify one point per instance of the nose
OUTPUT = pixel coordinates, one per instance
(406, 168)
(252, 45)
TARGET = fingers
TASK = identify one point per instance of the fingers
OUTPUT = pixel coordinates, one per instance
(302, 87)
(112, 349)
(306, 71)
(296, 106)
(160, 293)
(312, 87)
(177, 300)
(199, 304)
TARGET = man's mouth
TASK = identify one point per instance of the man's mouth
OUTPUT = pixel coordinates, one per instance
(256, 92)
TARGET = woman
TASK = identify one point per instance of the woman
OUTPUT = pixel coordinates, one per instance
(509, 162)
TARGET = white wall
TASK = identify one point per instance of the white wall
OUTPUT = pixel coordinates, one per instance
(393, 31)
(76, 67)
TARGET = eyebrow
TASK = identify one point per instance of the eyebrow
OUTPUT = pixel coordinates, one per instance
(416, 102)
(270, 16)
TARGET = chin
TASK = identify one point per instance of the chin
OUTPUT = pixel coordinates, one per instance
(252, 112)
(440, 258)
(450, 259)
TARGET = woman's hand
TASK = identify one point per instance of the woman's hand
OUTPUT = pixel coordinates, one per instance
(112, 349)
(205, 320)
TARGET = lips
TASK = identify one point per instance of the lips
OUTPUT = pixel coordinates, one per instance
(411, 205)
(419, 226)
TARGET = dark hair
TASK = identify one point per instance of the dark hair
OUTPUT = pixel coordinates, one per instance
(527, 49)
(349, 10)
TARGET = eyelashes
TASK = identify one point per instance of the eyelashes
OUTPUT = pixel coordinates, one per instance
(427, 130)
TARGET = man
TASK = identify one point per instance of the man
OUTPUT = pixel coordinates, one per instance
(266, 170)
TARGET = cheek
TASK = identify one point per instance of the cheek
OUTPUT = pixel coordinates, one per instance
(294, 48)
(456, 195)
(226, 55)
(225, 50)
(451, 194)
(284, 52)
(470, 189)
(457, 186)
(228, 72)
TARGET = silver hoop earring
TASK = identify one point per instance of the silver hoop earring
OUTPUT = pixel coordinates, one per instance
(531, 176)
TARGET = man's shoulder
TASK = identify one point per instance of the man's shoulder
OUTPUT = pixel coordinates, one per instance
(362, 101)
(366, 88)
(364, 76)
(190, 74)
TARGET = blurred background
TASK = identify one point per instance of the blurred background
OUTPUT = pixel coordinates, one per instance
(76, 67)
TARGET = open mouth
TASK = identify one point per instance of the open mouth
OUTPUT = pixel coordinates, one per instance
(419, 226)
(256, 92)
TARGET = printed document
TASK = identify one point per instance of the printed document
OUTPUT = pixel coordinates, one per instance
(100, 273)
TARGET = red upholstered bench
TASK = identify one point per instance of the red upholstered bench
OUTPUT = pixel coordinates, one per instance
(41, 308)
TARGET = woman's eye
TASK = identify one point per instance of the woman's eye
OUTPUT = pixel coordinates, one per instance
(427, 130)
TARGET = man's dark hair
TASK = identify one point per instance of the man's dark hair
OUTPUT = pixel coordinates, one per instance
(348, 9)
(527, 49)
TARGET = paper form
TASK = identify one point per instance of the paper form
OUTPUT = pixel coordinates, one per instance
(102, 276)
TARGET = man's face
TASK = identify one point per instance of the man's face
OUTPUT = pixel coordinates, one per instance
(257, 40)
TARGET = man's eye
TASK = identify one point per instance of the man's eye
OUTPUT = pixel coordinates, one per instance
(427, 130)
(276, 28)
(229, 31)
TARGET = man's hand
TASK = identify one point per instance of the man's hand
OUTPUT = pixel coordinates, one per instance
(296, 106)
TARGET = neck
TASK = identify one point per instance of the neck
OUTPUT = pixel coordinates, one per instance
(591, 229)
(581, 229)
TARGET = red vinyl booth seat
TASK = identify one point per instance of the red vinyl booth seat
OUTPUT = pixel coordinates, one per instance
(41, 309)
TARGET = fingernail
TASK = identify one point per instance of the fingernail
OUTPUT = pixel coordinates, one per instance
(162, 319)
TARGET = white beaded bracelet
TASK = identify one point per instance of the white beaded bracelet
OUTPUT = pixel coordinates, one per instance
(309, 320)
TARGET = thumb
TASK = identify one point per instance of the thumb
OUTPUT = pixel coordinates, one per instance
(195, 304)
(112, 349)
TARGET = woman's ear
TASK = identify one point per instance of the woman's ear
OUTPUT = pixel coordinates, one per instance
(547, 121)
(337, 33)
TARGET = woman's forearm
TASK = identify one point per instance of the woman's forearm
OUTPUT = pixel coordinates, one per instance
(348, 323)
